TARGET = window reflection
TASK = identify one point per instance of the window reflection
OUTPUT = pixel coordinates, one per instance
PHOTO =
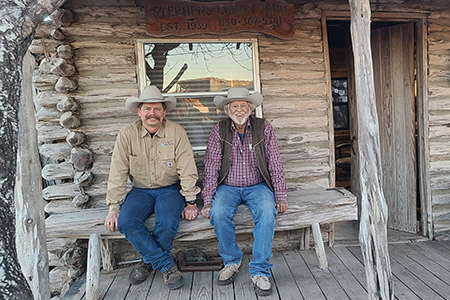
(195, 73)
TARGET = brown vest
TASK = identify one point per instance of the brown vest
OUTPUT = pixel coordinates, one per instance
(226, 136)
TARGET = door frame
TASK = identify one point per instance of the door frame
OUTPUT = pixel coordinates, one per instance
(423, 152)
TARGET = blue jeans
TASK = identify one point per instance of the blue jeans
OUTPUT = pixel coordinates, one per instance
(167, 204)
(260, 200)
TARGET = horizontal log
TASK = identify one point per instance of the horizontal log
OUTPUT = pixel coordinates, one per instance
(103, 14)
(305, 207)
(61, 191)
(306, 172)
(101, 31)
(117, 63)
(295, 181)
(57, 66)
(57, 151)
(50, 98)
(299, 121)
(60, 207)
(272, 105)
(102, 146)
(44, 82)
(441, 197)
(58, 171)
(50, 133)
(47, 114)
(37, 46)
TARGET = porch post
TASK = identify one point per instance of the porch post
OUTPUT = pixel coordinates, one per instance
(373, 229)
(30, 219)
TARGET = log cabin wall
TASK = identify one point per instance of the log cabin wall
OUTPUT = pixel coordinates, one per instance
(439, 118)
(293, 84)
(101, 38)
(100, 45)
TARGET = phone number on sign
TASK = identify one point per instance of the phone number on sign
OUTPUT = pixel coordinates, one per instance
(227, 22)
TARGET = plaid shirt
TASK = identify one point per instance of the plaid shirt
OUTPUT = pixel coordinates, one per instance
(244, 168)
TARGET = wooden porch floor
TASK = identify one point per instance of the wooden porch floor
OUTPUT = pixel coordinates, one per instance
(421, 271)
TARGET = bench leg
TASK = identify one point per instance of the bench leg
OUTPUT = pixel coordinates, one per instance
(108, 261)
(331, 235)
(93, 268)
(319, 247)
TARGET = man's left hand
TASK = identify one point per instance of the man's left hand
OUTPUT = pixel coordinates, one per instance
(282, 206)
(190, 212)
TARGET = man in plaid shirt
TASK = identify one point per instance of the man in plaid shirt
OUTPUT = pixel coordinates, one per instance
(243, 165)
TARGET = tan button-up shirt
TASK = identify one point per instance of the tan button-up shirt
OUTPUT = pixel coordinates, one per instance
(150, 162)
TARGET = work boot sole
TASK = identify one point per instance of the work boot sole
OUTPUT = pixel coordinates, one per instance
(227, 281)
(176, 284)
(261, 292)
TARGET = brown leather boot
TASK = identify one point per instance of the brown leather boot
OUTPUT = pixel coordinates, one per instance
(173, 278)
(140, 273)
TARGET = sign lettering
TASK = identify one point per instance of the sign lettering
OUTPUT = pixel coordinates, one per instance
(180, 18)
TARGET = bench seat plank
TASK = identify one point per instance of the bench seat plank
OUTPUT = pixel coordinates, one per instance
(306, 207)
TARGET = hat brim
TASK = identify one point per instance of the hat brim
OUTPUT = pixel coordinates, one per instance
(256, 99)
(133, 102)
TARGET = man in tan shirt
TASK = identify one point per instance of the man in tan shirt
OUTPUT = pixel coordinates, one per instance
(155, 154)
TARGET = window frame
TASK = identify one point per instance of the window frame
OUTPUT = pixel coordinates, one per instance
(140, 63)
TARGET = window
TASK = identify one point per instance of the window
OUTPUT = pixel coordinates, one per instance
(195, 72)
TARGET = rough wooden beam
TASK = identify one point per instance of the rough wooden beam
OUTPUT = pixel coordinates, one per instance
(30, 227)
(305, 208)
(17, 25)
(93, 268)
(373, 220)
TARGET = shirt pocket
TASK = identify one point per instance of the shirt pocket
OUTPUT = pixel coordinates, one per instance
(166, 164)
(137, 166)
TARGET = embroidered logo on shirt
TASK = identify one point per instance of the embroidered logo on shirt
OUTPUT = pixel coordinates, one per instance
(167, 143)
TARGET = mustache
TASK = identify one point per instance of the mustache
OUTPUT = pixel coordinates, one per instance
(243, 116)
(152, 116)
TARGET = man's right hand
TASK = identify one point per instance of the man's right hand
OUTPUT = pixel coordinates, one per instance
(205, 212)
(112, 222)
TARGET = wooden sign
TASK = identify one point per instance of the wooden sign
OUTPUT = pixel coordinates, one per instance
(181, 18)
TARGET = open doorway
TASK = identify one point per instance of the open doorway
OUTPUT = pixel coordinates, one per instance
(394, 58)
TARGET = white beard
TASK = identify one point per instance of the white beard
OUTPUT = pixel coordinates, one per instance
(241, 121)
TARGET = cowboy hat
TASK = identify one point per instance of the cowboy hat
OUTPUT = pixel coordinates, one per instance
(150, 94)
(238, 94)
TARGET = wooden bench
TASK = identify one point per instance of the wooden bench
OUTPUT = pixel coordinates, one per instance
(307, 208)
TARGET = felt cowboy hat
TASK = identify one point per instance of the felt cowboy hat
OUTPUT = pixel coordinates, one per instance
(150, 94)
(238, 94)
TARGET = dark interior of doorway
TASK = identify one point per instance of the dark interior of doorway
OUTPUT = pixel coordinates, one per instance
(338, 41)
(339, 44)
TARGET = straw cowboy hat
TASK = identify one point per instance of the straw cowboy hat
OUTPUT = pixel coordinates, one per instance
(238, 94)
(150, 94)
